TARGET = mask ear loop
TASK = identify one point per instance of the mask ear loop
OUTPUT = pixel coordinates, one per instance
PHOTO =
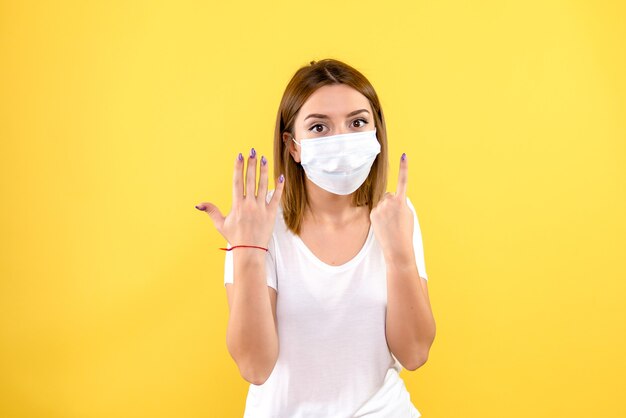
(294, 140)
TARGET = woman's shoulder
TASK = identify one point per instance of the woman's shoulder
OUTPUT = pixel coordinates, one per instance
(268, 197)
(279, 212)
(280, 228)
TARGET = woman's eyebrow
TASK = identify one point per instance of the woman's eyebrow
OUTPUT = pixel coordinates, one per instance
(319, 115)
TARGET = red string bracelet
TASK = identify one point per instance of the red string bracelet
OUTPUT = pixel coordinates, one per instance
(244, 246)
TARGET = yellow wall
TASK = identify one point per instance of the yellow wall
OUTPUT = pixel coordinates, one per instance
(117, 117)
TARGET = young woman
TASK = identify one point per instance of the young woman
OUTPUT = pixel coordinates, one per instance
(325, 275)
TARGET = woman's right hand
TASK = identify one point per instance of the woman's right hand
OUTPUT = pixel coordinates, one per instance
(251, 218)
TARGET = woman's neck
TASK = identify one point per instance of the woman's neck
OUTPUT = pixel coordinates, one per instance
(329, 209)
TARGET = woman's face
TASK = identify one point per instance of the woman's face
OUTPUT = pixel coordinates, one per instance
(331, 110)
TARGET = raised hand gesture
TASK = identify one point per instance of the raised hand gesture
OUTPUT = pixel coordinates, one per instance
(392, 221)
(251, 219)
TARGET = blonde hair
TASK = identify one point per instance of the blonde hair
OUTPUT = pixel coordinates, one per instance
(304, 82)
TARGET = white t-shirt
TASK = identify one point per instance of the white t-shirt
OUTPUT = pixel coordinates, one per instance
(333, 358)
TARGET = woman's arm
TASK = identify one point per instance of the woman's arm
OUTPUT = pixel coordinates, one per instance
(410, 326)
(251, 335)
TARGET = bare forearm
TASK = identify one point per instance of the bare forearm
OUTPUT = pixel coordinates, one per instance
(410, 326)
(251, 335)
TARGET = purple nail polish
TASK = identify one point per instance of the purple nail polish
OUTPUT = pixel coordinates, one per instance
(281, 178)
(403, 156)
(263, 160)
(252, 153)
(240, 157)
(200, 207)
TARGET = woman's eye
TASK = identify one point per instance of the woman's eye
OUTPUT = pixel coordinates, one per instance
(319, 128)
(362, 120)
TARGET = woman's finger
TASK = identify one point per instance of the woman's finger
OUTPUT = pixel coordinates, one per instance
(251, 175)
(262, 192)
(402, 177)
(278, 192)
(214, 213)
(238, 180)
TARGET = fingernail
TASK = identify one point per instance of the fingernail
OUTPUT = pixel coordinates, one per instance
(252, 153)
(240, 157)
(200, 207)
(281, 178)
(263, 160)
(403, 156)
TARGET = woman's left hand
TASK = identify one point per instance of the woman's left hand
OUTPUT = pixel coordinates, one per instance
(392, 221)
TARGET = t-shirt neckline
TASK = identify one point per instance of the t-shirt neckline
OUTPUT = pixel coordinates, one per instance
(354, 260)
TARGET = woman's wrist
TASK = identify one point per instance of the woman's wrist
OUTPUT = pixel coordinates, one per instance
(258, 247)
(249, 257)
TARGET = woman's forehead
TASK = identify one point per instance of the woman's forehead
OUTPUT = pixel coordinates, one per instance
(336, 100)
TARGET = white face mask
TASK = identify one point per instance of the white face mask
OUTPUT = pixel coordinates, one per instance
(339, 163)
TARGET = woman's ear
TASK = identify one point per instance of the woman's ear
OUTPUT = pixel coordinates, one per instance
(293, 148)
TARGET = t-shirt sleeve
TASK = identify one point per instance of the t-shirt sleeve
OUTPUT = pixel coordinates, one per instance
(270, 264)
(418, 245)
